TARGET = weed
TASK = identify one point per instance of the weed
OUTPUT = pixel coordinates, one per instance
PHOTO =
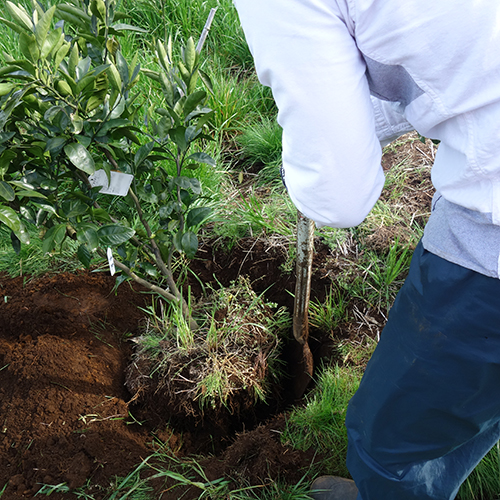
(484, 480)
(327, 315)
(234, 352)
(320, 424)
(260, 142)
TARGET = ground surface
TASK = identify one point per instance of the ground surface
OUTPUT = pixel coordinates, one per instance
(63, 405)
(64, 347)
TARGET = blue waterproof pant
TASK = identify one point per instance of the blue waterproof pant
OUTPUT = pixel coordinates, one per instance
(428, 407)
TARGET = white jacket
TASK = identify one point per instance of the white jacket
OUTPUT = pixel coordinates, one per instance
(431, 65)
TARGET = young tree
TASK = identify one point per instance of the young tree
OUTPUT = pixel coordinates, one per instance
(70, 137)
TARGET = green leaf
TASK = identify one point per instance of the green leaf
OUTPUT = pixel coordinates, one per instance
(20, 15)
(5, 88)
(193, 100)
(113, 124)
(13, 26)
(84, 255)
(114, 76)
(178, 136)
(190, 55)
(54, 236)
(73, 15)
(197, 215)
(150, 269)
(127, 27)
(52, 42)
(6, 191)
(142, 153)
(206, 80)
(122, 66)
(154, 75)
(43, 25)
(202, 158)
(73, 208)
(114, 234)
(61, 54)
(85, 82)
(162, 55)
(29, 193)
(98, 8)
(189, 244)
(45, 207)
(10, 218)
(192, 133)
(100, 215)
(80, 157)
(188, 183)
(16, 242)
(73, 61)
(28, 47)
(87, 234)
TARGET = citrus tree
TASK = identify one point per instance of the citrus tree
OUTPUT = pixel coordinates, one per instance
(72, 140)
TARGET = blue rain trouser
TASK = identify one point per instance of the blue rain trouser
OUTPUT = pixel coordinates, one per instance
(428, 407)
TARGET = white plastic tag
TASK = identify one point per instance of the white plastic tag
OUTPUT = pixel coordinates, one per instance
(118, 185)
(111, 262)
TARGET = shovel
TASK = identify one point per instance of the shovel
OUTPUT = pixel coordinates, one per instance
(305, 240)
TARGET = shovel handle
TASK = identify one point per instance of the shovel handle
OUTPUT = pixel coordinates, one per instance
(305, 241)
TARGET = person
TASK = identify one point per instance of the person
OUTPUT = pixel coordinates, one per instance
(349, 76)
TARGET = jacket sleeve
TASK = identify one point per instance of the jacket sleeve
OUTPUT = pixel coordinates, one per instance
(305, 52)
(390, 122)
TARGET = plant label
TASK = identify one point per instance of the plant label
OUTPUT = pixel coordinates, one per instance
(111, 262)
(118, 185)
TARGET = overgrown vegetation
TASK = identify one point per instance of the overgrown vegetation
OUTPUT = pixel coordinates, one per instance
(102, 95)
(229, 362)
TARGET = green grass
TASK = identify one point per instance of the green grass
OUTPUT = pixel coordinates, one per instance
(484, 481)
(260, 142)
(320, 424)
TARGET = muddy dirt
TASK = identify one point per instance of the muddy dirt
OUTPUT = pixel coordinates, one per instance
(64, 409)
(65, 413)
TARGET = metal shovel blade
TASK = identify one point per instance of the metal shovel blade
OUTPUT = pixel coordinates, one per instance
(305, 240)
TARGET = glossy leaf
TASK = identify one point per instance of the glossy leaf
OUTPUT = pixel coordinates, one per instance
(114, 234)
(52, 43)
(43, 26)
(20, 15)
(190, 55)
(16, 242)
(61, 54)
(194, 100)
(84, 255)
(202, 158)
(142, 153)
(13, 26)
(189, 244)
(6, 191)
(197, 215)
(122, 66)
(53, 237)
(178, 136)
(190, 183)
(73, 208)
(10, 218)
(80, 157)
(28, 47)
(87, 234)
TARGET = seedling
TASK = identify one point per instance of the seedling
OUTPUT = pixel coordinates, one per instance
(70, 137)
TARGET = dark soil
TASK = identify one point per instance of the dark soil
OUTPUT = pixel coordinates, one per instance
(65, 413)
(64, 408)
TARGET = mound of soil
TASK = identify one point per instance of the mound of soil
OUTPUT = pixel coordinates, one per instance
(64, 408)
